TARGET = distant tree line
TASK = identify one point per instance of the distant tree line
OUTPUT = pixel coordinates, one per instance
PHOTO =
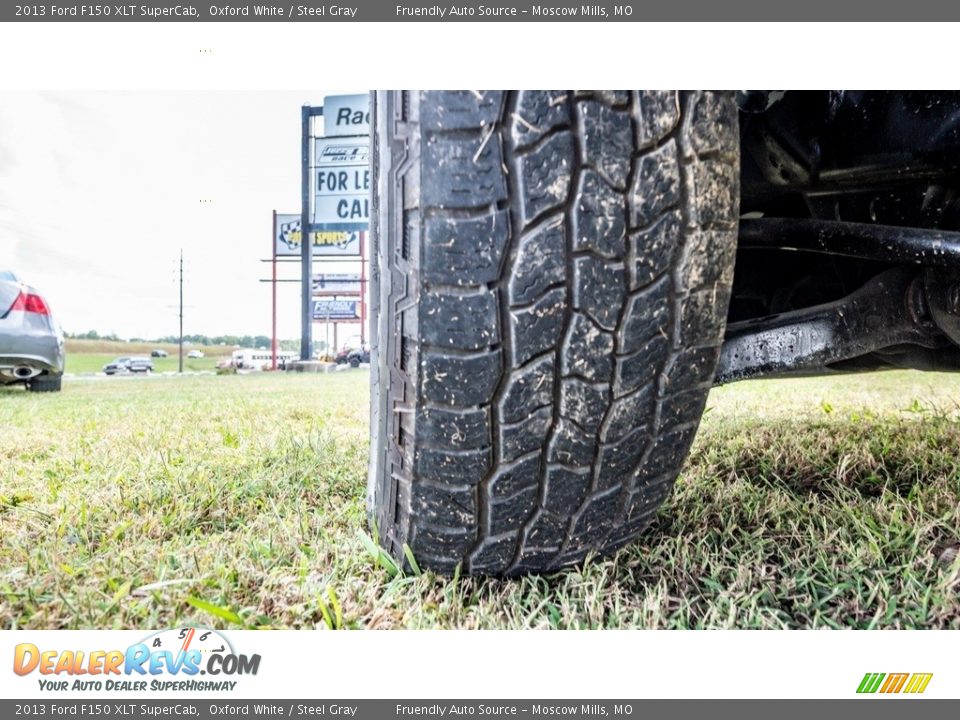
(91, 335)
(248, 341)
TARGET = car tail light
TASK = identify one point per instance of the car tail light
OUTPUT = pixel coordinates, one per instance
(28, 302)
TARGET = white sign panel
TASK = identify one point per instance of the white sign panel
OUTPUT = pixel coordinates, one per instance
(346, 115)
(336, 284)
(325, 242)
(342, 182)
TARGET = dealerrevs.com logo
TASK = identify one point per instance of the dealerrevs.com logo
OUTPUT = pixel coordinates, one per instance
(169, 660)
(894, 683)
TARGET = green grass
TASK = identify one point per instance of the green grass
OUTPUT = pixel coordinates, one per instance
(94, 362)
(238, 501)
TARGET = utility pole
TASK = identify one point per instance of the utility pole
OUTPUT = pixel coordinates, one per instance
(181, 311)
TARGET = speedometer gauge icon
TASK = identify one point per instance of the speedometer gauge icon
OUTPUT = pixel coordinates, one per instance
(181, 640)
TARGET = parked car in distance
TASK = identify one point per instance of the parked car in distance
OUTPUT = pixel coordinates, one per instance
(31, 342)
(159, 353)
(141, 364)
(359, 356)
(129, 365)
(195, 354)
(117, 366)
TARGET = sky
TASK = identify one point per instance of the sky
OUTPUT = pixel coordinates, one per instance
(99, 191)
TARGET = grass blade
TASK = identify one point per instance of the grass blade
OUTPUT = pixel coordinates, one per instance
(215, 610)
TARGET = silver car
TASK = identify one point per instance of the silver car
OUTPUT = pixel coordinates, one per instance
(31, 342)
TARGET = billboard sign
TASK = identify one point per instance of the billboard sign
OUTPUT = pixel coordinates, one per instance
(336, 310)
(336, 284)
(345, 115)
(341, 192)
(325, 242)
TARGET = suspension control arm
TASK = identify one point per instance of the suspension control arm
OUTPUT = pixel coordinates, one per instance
(889, 310)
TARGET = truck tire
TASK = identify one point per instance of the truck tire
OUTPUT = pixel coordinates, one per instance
(551, 278)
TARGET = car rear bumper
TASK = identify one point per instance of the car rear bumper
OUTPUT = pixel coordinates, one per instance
(39, 352)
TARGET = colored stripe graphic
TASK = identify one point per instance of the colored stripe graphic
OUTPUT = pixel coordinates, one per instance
(870, 682)
(893, 683)
(918, 682)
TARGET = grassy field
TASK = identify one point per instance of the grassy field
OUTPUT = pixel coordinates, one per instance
(89, 356)
(238, 502)
(119, 347)
(94, 362)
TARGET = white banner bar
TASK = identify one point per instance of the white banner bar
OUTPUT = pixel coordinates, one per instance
(520, 664)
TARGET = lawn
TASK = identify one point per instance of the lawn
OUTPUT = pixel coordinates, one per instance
(89, 356)
(238, 501)
(94, 362)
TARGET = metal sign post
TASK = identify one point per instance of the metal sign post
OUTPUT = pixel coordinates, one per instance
(273, 322)
(307, 113)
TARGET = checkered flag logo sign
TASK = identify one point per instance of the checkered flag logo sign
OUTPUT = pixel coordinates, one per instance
(325, 242)
(289, 231)
(336, 239)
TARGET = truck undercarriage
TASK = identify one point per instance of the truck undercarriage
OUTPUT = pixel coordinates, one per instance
(848, 256)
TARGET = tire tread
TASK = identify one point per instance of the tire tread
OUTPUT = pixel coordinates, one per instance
(558, 284)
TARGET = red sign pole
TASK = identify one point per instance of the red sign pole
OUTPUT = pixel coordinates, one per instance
(273, 285)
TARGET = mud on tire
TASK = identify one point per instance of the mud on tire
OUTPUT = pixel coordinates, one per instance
(551, 278)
